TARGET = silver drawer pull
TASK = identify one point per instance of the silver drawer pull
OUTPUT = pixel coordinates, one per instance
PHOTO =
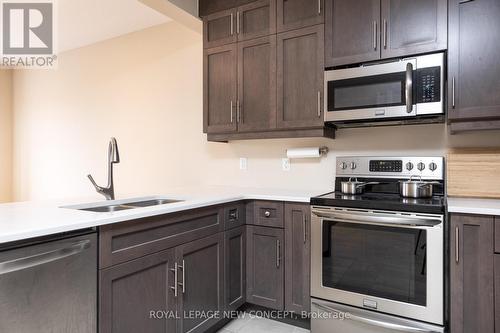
(183, 283)
(457, 245)
(267, 213)
(278, 253)
(43, 258)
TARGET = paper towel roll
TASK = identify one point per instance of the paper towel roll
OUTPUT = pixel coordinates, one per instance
(312, 152)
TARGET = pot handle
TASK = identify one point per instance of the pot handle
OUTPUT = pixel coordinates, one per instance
(419, 177)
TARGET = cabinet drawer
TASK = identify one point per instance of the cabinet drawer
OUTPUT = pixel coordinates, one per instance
(130, 240)
(234, 215)
(268, 213)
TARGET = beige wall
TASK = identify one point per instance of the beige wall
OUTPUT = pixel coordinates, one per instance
(146, 89)
(5, 135)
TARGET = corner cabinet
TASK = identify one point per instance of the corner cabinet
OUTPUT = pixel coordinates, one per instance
(472, 274)
(367, 30)
(259, 84)
(473, 65)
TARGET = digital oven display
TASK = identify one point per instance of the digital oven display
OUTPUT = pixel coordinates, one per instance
(386, 166)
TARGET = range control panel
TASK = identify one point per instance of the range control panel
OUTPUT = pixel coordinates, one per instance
(391, 167)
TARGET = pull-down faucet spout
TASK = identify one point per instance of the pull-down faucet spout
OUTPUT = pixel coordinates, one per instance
(113, 157)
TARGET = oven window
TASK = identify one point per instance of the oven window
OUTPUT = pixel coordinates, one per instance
(367, 92)
(375, 261)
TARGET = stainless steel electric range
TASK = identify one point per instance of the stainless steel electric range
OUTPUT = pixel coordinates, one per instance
(377, 257)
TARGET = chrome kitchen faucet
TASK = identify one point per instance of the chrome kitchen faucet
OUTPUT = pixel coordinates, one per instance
(113, 157)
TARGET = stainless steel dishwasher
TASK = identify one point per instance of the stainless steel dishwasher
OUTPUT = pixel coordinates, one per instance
(49, 285)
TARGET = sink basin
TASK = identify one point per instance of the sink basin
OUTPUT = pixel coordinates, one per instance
(118, 205)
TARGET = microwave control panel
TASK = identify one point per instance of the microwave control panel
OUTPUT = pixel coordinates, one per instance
(428, 85)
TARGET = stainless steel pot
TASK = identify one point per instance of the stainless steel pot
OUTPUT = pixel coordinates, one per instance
(416, 188)
(353, 186)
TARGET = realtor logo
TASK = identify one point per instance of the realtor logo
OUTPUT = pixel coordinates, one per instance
(27, 33)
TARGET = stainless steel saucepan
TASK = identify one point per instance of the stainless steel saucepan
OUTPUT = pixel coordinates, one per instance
(416, 188)
(353, 186)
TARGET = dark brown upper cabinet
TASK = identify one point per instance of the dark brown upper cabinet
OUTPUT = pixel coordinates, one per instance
(297, 257)
(256, 19)
(301, 77)
(368, 30)
(471, 274)
(256, 104)
(220, 89)
(412, 27)
(473, 65)
(352, 33)
(219, 28)
(296, 14)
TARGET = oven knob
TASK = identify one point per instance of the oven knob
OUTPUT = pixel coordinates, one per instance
(421, 166)
(353, 165)
(343, 165)
(409, 166)
(433, 166)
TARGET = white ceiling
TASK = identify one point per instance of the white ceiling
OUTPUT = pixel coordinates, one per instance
(85, 22)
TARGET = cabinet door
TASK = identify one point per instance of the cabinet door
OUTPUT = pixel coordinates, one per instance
(352, 31)
(219, 28)
(471, 274)
(257, 19)
(497, 293)
(411, 27)
(235, 268)
(297, 257)
(473, 62)
(296, 14)
(265, 274)
(257, 84)
(300, 78)
(131, 291)
(201, 281)
(219, 89)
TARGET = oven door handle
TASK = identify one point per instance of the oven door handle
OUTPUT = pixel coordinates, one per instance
(379, 219)
(372, 322)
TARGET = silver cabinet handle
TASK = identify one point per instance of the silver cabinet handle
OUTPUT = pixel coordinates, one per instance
(278, 253)
(238, 111)
(319, 7)
(238, 23)
(267, 213)
(373, 322)
(453, 92)
(174, 288)
(409, 88)
(231, 111)
(375, 35)
(43, 258)
(305, 230)
(319, 104)
(385, 34)
(183, 283)
(457, 245)
(232, 24)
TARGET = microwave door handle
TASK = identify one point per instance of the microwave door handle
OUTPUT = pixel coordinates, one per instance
(371, 321)
(409, 87)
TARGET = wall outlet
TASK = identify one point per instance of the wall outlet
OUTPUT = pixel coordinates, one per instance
(285, 164)
(243, 163)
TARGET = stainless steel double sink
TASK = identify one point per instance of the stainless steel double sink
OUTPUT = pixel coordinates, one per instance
(118, 205)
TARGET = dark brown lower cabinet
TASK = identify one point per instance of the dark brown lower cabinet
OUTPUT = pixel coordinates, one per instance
(130, 291)
(472, 274)
(265, 271)
(235, 268)
(297, 257)
(200, 283)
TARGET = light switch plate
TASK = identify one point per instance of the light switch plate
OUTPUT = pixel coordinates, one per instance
(243, 163)
(285, 164)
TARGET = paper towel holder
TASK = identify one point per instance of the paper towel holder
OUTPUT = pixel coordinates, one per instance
(312, 152)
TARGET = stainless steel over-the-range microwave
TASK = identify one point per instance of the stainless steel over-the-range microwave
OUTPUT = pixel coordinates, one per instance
(401, 89)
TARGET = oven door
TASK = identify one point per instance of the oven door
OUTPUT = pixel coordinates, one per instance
(383, 261)
(370, 92)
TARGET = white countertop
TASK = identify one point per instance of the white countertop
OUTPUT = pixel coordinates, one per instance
(474, 206)
(23, 220)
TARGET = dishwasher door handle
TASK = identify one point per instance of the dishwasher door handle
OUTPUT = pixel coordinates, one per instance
(43, 258)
